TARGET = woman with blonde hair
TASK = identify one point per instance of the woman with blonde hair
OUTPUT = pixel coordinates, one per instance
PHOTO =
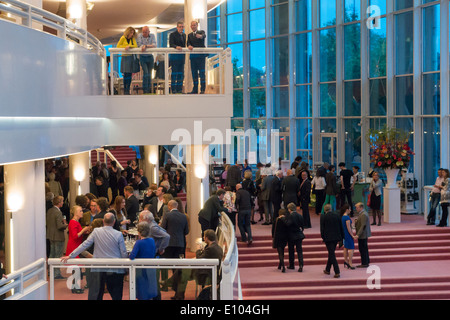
(75, 239)
(127, 41)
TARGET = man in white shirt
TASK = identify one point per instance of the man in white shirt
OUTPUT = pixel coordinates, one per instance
(108, 243)
(435, 197)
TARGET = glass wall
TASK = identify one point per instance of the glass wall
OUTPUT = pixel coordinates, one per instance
(310, 67)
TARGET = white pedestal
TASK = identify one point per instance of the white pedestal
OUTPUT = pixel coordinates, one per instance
(391, 205)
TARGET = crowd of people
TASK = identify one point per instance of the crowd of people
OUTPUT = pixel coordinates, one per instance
(131, 63)
(100, 221)
(276, 198)
(113, 208)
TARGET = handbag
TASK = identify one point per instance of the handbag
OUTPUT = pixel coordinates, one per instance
(135, 67)
(368, 199)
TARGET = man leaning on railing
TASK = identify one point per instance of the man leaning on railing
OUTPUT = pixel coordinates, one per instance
(108, 243)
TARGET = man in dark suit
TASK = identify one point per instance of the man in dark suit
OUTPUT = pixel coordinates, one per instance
(234, 176)
(196, 39)
(131, 204)
(177, 40)
(211, 251)
(208, 217)
(332, 233)
(295, 223)
(290, 188)
(176, 225)
(305, 197)
(243, 203)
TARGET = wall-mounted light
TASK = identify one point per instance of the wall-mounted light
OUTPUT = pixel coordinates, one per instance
(15, 203)
(79, 175)
(200, 171)
(75, 11)
(153, 159)
(198, 12)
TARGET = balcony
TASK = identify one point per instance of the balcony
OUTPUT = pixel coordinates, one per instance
(55, 84)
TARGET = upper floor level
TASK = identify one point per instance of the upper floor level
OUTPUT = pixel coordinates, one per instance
(60, 94)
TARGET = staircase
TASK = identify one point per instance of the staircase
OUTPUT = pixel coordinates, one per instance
(414, 264)
(121, 153)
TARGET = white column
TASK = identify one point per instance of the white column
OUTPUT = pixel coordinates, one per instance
(78, 175)
(151, 161)
(25, 232)
(76, 12)
(197, 190)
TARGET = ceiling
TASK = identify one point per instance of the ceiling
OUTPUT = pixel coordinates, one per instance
(109, 18)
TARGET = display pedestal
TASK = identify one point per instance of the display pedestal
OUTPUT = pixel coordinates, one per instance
(391, 205)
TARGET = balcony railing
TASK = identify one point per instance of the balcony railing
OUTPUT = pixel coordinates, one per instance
(159, 78)
(41, 20)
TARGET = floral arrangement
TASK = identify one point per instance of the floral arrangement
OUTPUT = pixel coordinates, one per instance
(389, 148)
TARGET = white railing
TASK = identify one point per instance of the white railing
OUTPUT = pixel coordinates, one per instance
(37, 18)
(132, 266)
(21, 283)
(218, 69)
(230, 286)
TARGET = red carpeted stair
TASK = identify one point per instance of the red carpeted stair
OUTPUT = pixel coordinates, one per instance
(121, 153)
(413, 260)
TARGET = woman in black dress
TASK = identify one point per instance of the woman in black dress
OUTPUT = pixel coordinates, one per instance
(280, 238)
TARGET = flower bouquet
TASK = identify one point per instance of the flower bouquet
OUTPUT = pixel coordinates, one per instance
(390, 151)
(389, 148)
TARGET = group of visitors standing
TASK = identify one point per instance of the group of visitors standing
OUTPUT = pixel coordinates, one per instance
(178, 40)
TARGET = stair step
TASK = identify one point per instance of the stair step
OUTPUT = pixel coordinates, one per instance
(356, 259)
(344, 281)
(373, 253)
(245, 249)
(421, 295)
(345, 289)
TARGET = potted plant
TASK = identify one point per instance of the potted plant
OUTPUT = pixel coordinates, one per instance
(390, 151)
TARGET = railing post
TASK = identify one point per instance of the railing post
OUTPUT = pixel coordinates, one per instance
(132, 282)
(52, 282)
(166, 74)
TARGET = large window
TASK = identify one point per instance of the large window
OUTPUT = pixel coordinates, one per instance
(339, 67)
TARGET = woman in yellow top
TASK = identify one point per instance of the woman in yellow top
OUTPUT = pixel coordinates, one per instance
(127, 41)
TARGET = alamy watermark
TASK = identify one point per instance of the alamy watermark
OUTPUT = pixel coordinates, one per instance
(264, 145)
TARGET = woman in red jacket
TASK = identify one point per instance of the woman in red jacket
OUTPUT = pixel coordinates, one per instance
(75, 236)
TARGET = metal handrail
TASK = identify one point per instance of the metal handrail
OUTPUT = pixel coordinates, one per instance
(15, 281)
(65, 28)
(132, 265)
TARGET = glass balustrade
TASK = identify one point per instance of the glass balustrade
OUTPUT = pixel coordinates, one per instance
(166, 71)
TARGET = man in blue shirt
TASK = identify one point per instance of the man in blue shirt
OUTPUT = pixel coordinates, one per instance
(108, 243)
(145, 40)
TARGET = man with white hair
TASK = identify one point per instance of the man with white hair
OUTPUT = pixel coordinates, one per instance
(145, 40)
(160, 235)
